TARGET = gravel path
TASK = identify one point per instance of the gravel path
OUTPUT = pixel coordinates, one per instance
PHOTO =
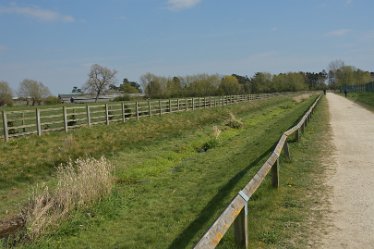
(352, 180)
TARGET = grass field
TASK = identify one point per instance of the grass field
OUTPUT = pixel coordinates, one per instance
(166, 193)
(365, 98)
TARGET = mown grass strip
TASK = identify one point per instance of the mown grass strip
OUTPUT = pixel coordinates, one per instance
(167, 194)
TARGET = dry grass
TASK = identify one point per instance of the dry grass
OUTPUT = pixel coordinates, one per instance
(301, 98)
(234, 122)
(216, 132)
(80, 183)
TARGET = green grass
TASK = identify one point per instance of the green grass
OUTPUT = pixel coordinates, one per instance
(365, 99)
(290, 216)
(166, 193)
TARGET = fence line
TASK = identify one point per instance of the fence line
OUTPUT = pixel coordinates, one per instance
(65, 118)
(368, 87)
(237, 210)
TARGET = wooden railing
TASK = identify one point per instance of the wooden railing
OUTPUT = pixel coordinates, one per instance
(43, 120)
(237, 210)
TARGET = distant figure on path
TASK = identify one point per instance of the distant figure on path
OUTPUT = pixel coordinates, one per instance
(71, 100)
(324, 91)
(345, 92)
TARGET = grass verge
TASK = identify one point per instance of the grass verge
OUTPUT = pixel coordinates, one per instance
(365, 99)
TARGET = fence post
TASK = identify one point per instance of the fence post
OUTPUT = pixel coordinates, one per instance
(275, 174)
(170, 106)
(287, 151)
(149, 108)
(178, 104)
(193, 104)
(65, 119)
(106, 114)
(5, 126)
(123, 111)
(298, 134)
(204, 102)
(186, 104)
(88, 115)
(38, 125)
(241, 224)
(23, 121)
(160, 107)
(137, 110)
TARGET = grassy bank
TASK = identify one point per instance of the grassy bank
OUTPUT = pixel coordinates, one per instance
(292, 216)
(166, 193)
(365, 99)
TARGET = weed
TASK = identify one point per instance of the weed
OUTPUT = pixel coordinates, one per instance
(79, 185)
(234, 122)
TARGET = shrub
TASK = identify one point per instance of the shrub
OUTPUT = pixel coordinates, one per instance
(52, 100)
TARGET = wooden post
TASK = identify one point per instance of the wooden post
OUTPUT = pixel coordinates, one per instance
(5, 126)
(287, 151)
(149, 109)
(65, 119)
(137, 110)
(178, 104)
(275, 174)
(241, 224)
(160, 107)
(38, 125)
(193, 104)
(186, 104)
(88, 115)
(241, 229)
(23, 121)
(170, 106)
(298, 134)
(204, 102)
(123, 112)
(106, 114)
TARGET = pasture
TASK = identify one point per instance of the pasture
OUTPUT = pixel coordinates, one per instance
(167, 191)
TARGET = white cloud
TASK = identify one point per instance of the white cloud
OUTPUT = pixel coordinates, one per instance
(182, 4)
(37, 13)
(339, 32)
(348, 2)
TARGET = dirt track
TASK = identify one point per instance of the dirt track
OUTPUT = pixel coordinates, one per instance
(352, 180)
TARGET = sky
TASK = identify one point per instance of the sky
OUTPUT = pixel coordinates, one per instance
(56, 41)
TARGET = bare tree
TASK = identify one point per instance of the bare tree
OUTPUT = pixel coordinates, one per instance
(5, 93)
(34, 90)
(99, 79)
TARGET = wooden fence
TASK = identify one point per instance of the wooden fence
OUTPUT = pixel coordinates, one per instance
(237, 211)
(43, 120)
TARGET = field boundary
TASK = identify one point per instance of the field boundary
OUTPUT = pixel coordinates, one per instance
(44, 120)
(237, 210)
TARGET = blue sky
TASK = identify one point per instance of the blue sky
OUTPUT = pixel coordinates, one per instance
(56, 41)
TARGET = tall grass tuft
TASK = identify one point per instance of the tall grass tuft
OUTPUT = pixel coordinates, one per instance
(234, 122)
(80, 183)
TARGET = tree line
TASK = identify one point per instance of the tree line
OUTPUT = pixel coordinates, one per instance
(102, 80)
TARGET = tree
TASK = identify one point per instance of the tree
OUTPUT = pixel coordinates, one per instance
(129, 87)
(229, 85)
(99, 79)
(5, 94)
(174, 87)
(34, 90)
(76, 90)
